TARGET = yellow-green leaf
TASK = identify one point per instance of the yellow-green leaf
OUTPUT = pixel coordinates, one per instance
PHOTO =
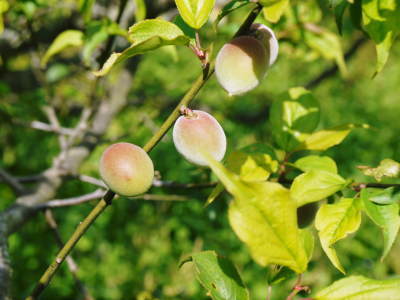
(361, 288)
(146, 36)
(66, 39)
(273, 11)
(324, 139)
(315, 185)
(195, 12)
(251, 167)
(315, 162)
(334, 222)
(264, 217)
(4, 6)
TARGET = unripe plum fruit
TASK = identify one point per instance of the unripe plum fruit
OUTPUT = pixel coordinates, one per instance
(196, 133)
(267, 37)
(241, 64)
(126, 169)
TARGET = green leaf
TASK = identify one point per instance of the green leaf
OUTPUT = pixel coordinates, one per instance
(66, 39)
(140, 10)
(293, 116)
(385, 216)
(387, 168)
(195, 12)
(314, 162)
(334, 222)
(381, 196)
(324, 139)
(146, 36)
(328, 45)
(380, 19)
(315, 185)
(308, 242)
(274, 11)
(264, 217)
(361, 288)
(219, 277)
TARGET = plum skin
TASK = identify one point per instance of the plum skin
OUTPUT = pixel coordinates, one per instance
(267, 37)
(126, 169)
(241, 64)
(199, 133)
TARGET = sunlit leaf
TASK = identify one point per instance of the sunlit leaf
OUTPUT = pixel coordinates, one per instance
(195, 12)
(251, 167)
(264, 217)
(66, 39)
(315, 185)
(146, 36)
(4, 6)
(219, 276)
(324, 139)
(273, 11)
(293, 116)
(314, 162)
(385, 216)
(380, 19)
(361, 288)
(334, 222)
(387, 168)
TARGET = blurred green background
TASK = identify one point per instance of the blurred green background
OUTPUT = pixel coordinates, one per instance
(133, 250)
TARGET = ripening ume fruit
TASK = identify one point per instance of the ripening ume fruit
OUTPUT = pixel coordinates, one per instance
(196, 133)
(126, 169)
(241, 64)
(267, 37)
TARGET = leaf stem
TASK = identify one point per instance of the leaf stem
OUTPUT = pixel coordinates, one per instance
(154, 140)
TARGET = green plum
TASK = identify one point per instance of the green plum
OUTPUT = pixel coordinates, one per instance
(126, 169)
(197, 133)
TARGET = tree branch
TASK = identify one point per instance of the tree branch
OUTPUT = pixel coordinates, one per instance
(102, 205)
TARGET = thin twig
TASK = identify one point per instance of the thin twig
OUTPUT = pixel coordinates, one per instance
(73, 201)
(13, 182)
(173, 184)
(49, 128)
(72, 266)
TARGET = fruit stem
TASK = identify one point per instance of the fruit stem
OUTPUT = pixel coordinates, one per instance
(154, 140)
